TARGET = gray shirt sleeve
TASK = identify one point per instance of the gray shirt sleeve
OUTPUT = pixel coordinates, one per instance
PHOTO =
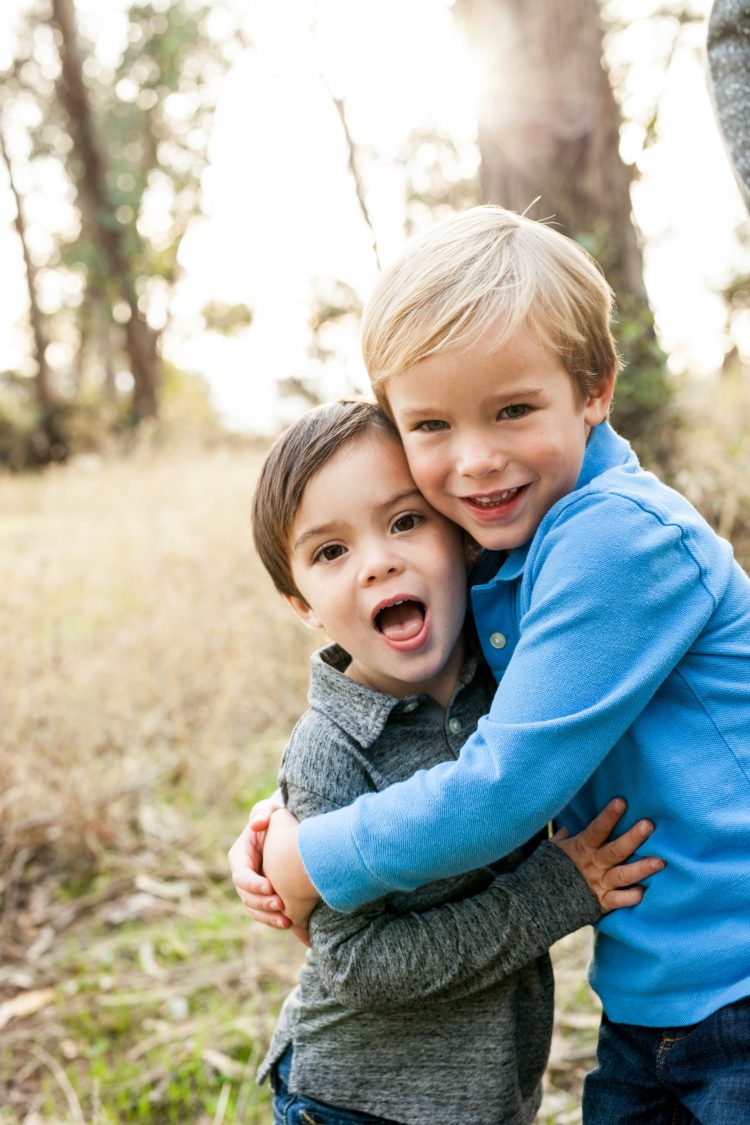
(383, 957)
(728, 49)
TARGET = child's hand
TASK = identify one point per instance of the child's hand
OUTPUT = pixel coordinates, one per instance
(602, 861)
(283, 865)
(246, 864)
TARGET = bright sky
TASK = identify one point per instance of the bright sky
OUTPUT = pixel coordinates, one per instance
(281, 208)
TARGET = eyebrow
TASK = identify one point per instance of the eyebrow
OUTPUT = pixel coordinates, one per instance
(313, 533)
(398, 498)
(324, 529)
(518, 394)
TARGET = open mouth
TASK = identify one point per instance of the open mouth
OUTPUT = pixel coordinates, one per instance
(402, 620)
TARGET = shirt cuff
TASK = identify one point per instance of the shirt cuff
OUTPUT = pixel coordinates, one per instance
(573, 903)
(333, 862)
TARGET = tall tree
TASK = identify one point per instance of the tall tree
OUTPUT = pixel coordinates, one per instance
(91, 177)
(124, 142)
(42, 380)
(548, 129)
(46, 441)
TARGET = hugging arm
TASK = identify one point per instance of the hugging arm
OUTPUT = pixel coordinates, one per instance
(546, 733)
(381, 958)
(377, 959)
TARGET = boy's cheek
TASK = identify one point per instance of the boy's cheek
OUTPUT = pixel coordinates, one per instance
(428, 474)
(430, 483)
(453, 510)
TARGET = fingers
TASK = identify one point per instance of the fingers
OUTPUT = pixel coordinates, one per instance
(246, 855)
(255, 890)
(268, 909)
(276, 921)
(246, 879)
(255, 900)
(600, 828)
(561, 834)
(622, 892)
(630, 873)
(617, 851)
(614, 900)
(260, 814)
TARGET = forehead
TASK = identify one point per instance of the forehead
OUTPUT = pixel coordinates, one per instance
(364, 472)
(486, 362)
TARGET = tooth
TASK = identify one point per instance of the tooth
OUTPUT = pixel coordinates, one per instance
(489, 501)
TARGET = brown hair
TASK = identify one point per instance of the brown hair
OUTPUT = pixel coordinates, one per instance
(294, 458)
(488, 266)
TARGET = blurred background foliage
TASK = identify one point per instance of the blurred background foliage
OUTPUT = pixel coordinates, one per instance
(128, 141)
(125, 140)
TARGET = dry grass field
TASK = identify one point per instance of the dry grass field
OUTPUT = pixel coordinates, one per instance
(148, 677)
(148, 674)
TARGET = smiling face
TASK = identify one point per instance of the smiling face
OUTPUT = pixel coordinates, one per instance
(380, 570)
(494, 438)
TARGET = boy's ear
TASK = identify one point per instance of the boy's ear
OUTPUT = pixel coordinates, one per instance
(599, 399)
(303, 611)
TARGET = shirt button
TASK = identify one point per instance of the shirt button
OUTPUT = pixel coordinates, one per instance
(455, 726)
(498, 640)
(409, 707)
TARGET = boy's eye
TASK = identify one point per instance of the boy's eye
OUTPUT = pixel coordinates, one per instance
(407, 522)
(328, 553)
(431, 425)
(515, 410)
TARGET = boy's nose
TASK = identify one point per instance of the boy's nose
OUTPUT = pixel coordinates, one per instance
(480, 460)
(378, 566)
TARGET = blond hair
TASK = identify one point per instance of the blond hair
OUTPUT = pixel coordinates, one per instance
(482, 267)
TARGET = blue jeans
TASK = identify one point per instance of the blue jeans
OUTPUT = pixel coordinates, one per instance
(297, 1109)
(695, 1075)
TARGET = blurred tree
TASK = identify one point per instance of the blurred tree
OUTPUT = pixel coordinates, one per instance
(227, 320)
(42, 380)
(339, 104)
(333, 324)
(92, 176)
(439, 179)
(548, 131)
(124, 138)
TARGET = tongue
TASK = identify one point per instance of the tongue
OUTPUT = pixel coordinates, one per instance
(401, 622)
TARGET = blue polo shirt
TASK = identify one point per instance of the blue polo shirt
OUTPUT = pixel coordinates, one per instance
(620, 637)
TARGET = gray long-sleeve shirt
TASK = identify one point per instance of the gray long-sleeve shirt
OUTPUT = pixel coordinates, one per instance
(729, 62)
(434, 1006)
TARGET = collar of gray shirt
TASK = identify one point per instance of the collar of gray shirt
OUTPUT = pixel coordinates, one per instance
(361, 711)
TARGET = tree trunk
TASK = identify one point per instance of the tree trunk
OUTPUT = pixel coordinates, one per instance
(548, 130)
(92, 186)
(549, 125)
(42, 381)
(48, 441)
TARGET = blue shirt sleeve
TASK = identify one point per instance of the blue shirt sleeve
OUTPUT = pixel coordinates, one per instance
(616, 595)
